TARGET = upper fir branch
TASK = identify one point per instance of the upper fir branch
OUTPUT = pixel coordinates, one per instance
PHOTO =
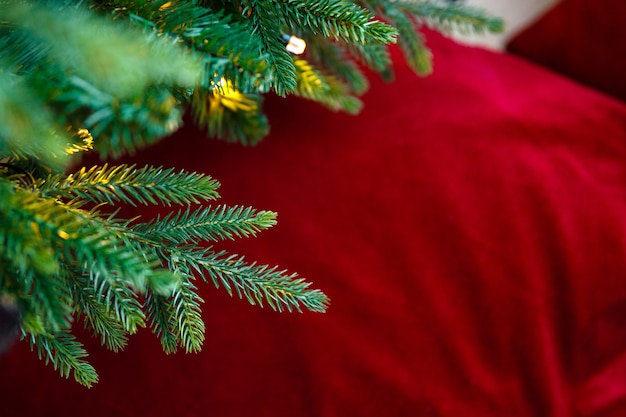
(109, 54)
(27, 126)
(265, 23)
(337, 19)
(119, 126)
(128, 184)
(411, 42)
(448, 17)
(375, 57)
(225, 45)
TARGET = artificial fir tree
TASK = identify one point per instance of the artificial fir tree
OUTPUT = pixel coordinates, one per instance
(113, 76)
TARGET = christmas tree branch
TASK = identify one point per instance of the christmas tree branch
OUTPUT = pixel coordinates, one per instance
(256, 283)
(131, 185)
(336, 19)
(184, 312)
(207, 224)
(97, 315)
(27, 127)
(161, 316)
(327, 90)
(335, 58)
(227, 49)
(109, 55)
(411, 41)
(262, 17)
(449, 17)
(65, 353)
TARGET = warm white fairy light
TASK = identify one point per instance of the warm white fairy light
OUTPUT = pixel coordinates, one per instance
(295, 45)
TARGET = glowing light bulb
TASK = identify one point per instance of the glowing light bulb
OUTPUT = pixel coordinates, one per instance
(295, 45)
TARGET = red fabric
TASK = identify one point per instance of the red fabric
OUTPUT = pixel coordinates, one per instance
(583, 39)
(470, 228)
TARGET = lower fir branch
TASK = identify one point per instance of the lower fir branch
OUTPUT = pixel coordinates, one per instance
(65, 353)
(186, 316)
(120, 301)
(256, 283)
(95, 317)
(160, 318)
(327, 90)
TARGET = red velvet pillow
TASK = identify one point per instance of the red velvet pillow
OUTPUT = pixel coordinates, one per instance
(469, 227)
(582, 39)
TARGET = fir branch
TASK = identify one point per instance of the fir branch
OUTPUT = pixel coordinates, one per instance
(23, 172)
(231, 115)
(254, 282)
(375, 57)
(334, 57)
(119, 126)
(207, 224)
(228, 51)
(45, 296)
(160, 319)
(175, 317)
(257, 283)
(336, 19)
(448, 17)
(125, 100)
(27, 127)
(70, 236)
(116, 230)
(96, 315)
(31, 267)
(21, 49)
(417, 55)
(184, 306)
(131, 185)
(119, 300)
(65, 353)
(216, 69)
(84, 144)
(327, 90)
(107, 54)
(20, 238)
(263, 16)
